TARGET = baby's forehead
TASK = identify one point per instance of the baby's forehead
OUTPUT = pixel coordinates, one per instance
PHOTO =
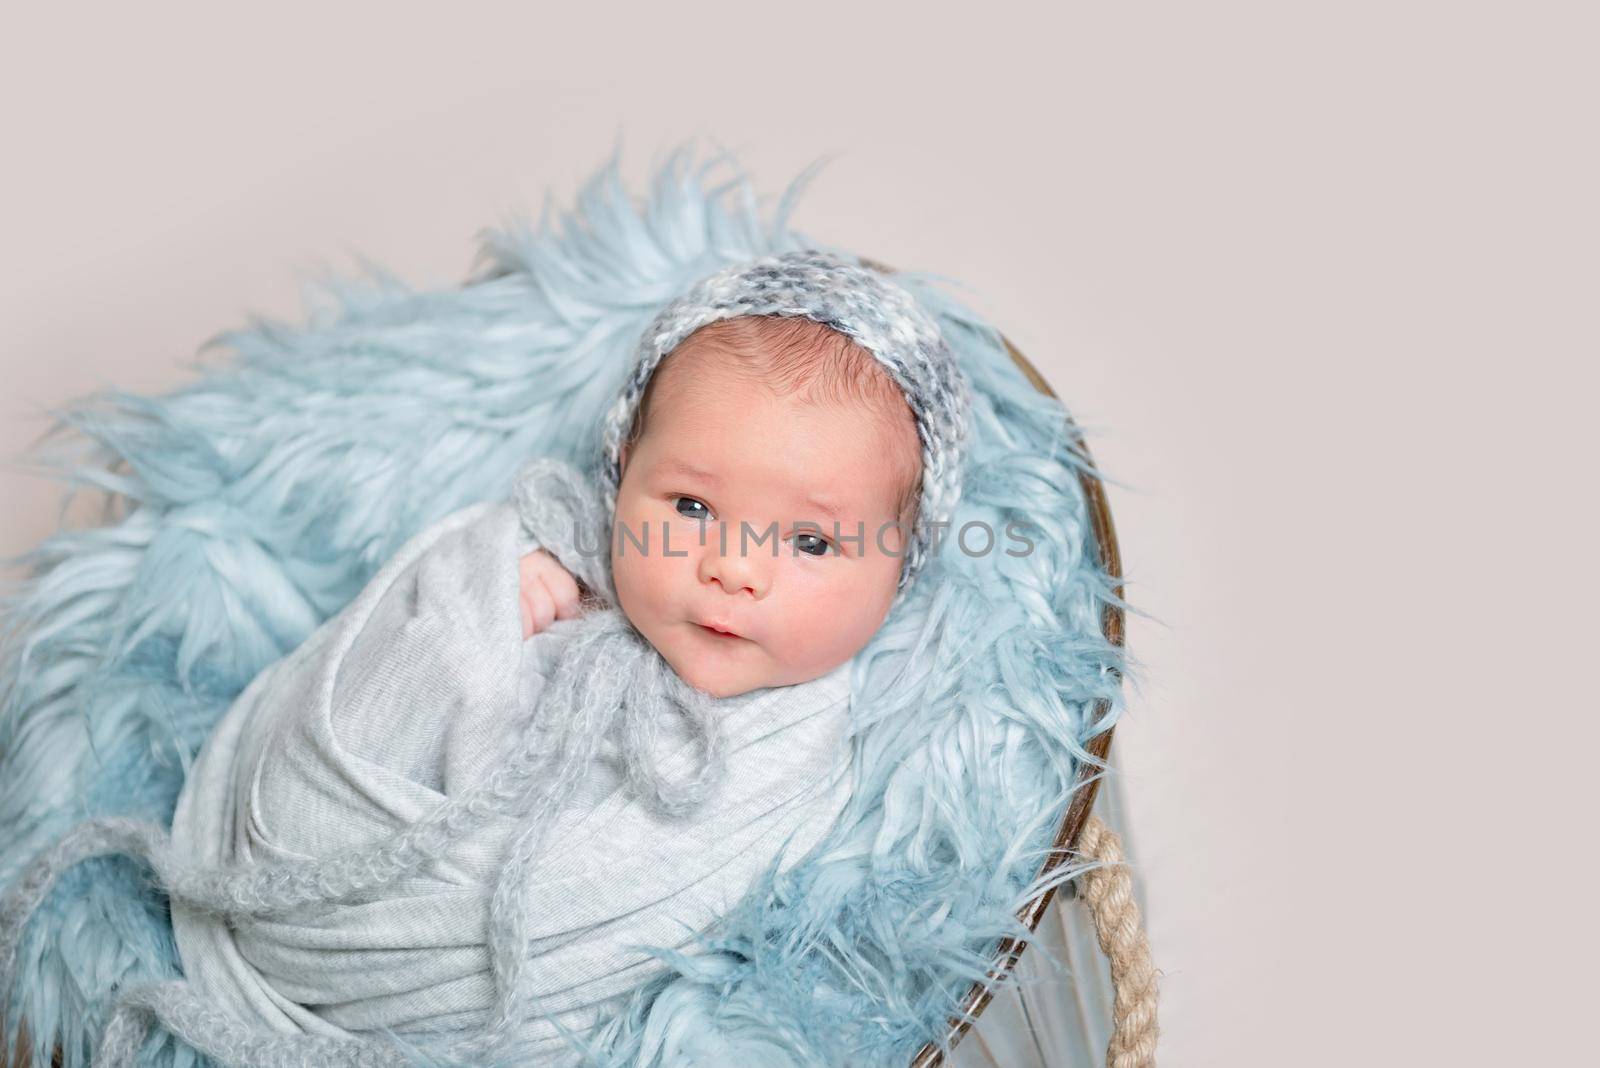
(791, 356)
(809, 365)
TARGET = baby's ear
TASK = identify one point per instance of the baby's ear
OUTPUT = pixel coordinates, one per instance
(622, 461)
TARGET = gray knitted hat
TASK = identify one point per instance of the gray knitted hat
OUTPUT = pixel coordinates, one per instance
(857, 301)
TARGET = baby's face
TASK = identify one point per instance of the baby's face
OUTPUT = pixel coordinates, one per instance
(723, 460)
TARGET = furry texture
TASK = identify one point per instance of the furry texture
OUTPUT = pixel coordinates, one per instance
(258, 500)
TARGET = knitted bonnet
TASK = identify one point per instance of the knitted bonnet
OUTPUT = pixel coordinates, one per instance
(857, 301)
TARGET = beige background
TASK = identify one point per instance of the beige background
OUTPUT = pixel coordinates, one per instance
(1319, 279)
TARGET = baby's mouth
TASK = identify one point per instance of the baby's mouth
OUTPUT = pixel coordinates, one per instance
(714, 631)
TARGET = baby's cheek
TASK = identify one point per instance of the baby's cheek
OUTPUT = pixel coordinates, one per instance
(627, 595)
(822, 629)
(644, 596)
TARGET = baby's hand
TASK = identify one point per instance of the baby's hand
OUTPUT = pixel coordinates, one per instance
(548, 592)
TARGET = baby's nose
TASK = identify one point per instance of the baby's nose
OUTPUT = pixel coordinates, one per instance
(738, 570)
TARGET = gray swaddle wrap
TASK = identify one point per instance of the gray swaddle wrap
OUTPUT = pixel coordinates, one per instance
(410, 703)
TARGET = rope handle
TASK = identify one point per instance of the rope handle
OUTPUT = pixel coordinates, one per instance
(1107, 891)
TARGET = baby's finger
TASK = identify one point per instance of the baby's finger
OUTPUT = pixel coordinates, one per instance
(527, 613)
(527, 581)
(541, 607)
(563, 591)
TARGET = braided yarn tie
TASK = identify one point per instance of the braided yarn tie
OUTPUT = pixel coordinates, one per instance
(1107, 891)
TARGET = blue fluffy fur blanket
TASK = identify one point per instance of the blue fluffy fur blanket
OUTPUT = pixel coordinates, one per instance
(255, 502)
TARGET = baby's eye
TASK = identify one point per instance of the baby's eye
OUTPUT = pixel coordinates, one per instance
(681, 503)
(812, 544)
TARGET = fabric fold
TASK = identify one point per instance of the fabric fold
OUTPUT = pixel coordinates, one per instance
(411, 699)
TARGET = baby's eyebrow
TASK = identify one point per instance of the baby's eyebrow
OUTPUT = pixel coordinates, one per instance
(825, 508)
(674, 465)
(683, 467)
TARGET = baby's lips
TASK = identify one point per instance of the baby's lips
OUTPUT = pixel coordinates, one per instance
(712, 624)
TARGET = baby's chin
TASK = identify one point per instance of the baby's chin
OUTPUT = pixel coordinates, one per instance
(718, 678)
(722, 667)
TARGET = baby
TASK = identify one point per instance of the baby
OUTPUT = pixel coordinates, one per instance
(756, 425)
(381, 834)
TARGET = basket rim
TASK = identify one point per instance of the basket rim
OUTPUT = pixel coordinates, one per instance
(1112, 625)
